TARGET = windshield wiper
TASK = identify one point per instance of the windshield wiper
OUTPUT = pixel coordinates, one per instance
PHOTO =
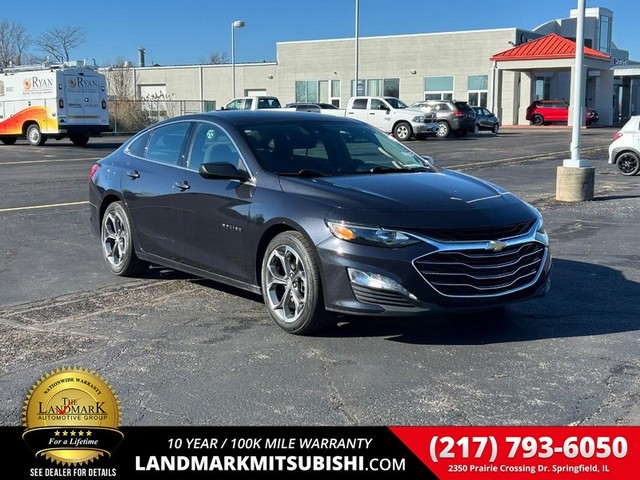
(387, 169)
(305, 172)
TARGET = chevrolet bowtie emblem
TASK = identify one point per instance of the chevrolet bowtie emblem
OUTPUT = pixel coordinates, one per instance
(496, 246)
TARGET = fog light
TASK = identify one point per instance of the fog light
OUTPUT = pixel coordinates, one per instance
(377, 282)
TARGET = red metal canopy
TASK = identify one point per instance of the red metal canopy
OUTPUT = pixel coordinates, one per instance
(551, 46)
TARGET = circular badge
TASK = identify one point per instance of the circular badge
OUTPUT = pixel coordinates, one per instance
(72, 416)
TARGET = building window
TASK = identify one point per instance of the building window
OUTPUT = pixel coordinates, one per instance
(317, 91)
(543, 88)
(438, 88)
(377, 87)
(604, 39)
(334, 99)
(477, 86)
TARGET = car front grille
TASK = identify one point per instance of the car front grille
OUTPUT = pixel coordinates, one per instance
(476, 234)
(478, 272)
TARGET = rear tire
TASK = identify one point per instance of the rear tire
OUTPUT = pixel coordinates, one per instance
(443, 130)
(537, 120)
(79, 140)
(35, 136)
(628, 163)
(116, 236)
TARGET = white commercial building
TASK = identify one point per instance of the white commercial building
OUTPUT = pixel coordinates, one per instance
(503, 69)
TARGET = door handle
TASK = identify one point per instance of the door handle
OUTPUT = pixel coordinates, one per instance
(133, 174)
(182, 185)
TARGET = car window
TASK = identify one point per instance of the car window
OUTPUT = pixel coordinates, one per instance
(377, 104)
(234, 105)
(166, 143)
(248, 102)
(138, 145)
(210, 144)
(360, 103)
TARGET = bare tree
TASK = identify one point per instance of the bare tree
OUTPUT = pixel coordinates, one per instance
(14, 42)
(58, 42)
(217, 58)
(125, 112)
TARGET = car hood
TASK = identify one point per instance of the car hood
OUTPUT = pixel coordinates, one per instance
(444, 199)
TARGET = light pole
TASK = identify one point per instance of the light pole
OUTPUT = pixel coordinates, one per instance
(357, 47)
(234, 25)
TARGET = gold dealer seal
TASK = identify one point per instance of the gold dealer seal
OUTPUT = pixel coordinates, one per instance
(72, 417)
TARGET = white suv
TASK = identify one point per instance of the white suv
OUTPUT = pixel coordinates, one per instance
(624, 151)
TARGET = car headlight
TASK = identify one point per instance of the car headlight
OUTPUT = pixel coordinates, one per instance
(541, 233)
(377, 236)
(419, 119)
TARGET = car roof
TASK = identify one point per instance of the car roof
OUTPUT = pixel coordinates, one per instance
(244, 117)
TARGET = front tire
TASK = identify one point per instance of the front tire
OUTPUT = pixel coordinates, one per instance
(117, 242)
(495, 129)
(35, 136)
(8, 140)
(291, 285)
(628, 163)
(402, 131)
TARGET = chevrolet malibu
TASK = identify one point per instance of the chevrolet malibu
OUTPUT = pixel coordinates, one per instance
(320, 215)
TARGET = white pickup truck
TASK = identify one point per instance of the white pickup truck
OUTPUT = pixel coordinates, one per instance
(390, 115)
(256, 102)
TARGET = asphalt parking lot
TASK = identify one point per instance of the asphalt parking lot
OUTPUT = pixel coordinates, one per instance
(179, 350)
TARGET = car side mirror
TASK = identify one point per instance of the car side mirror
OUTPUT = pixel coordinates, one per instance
(222, 170)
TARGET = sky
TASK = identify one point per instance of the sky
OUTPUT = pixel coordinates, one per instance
(189, 32)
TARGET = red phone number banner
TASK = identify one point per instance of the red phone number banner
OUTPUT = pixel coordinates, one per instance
(526, 452)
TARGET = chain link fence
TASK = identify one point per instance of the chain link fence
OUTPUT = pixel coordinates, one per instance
(130, 116)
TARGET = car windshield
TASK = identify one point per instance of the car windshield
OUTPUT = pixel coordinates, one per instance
(317, 148)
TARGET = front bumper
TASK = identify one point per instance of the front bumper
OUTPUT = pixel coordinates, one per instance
(427, 127)
(418, 293)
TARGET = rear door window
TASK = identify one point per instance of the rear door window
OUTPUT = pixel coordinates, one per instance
(167, 142)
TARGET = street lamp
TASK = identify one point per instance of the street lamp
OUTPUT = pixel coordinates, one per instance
(234, 25)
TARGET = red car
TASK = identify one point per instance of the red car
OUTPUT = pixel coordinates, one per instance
(546, 112)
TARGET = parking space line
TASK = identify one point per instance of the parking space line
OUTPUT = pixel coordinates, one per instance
(35, 207)
(22, 162)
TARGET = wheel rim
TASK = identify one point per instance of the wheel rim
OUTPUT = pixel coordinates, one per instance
(443, 130)
(627, 164)
(286, 284)
(402, 132)
(476, 129)
(115, 239)
(34, 135)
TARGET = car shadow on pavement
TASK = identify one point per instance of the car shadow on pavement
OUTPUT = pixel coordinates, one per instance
(585, 299)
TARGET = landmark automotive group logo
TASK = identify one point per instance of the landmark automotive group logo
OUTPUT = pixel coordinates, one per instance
(72, 417)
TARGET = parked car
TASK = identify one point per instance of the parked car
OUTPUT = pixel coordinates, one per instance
(319, 214)
(486, 120)
(311, 106)
(546, 112)
(624, 151)
(257, 102)
(454, 117)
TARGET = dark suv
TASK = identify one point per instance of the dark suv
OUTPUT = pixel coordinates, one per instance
(453, 117)
(546, 112)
